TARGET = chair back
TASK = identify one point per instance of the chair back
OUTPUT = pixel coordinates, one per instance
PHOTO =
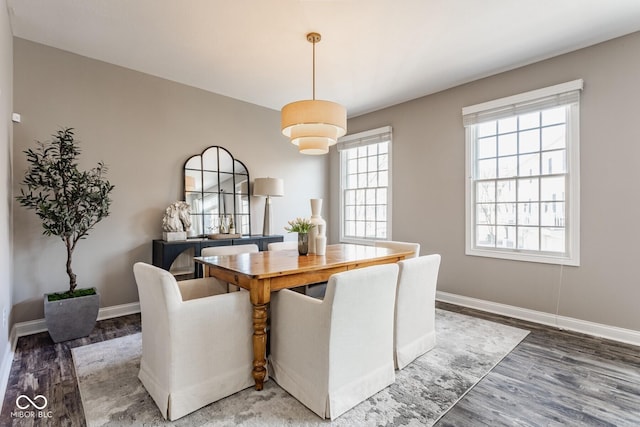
(159, 297)
(408, 246)
(227, 250)
(362, 310)
(282, 246)
(158, 292)
(415, 306)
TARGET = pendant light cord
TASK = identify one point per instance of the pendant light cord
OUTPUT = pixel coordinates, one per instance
(314, 38)
(314, 69)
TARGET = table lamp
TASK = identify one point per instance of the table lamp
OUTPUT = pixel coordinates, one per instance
(269, 187)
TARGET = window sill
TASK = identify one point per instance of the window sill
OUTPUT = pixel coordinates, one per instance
(526, 257)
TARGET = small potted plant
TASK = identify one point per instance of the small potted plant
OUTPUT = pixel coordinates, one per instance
(69, 202)
(302, 226)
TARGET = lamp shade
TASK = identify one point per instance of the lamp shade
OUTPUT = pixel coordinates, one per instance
(314, 125)
(271, 187)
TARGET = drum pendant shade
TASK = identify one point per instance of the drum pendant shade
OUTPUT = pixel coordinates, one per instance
(314, 125)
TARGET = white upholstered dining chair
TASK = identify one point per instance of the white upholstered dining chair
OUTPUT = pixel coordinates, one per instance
(211, 284)
(194, 351)
(392, 244)
(415, 332)
(334, 353)
(229, 250)
(282, 246)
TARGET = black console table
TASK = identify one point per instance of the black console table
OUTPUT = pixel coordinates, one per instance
(165, 253)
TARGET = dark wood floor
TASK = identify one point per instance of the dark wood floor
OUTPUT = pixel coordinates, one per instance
(42, 367)
(552, 378)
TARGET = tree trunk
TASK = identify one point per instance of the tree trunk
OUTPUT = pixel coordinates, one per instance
(72, 276)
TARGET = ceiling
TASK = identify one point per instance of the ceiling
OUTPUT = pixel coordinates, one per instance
(373, 53)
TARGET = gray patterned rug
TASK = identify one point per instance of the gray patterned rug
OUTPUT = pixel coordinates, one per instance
(467, 349)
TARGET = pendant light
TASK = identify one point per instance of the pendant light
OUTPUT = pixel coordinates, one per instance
(314, 125)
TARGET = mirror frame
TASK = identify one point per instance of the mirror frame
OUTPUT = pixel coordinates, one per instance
(214, 175)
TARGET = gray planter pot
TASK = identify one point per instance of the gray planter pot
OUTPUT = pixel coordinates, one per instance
(71, 318)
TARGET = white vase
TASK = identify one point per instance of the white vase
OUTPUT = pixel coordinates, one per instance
(321, 241)
(317, 220)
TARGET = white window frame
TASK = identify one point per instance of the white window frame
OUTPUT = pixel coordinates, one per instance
(563, 94)
(361, 139)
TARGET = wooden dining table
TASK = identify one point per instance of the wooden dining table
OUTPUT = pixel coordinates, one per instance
(264, 272)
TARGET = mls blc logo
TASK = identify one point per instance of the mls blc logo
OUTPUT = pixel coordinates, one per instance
(31, 407)
(20, 402)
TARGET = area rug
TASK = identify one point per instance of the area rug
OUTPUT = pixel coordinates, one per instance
(467, 349)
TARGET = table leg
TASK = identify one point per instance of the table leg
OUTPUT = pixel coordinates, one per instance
(260, 292)
(259, 344)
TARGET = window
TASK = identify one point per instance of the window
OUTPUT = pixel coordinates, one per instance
(522, 195)
(365, 186)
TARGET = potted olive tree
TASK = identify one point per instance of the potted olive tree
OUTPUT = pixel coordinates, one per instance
(69, 202)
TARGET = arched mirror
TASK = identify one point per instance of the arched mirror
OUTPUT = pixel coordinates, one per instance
(216, 186)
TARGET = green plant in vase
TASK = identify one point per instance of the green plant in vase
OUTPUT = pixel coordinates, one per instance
(69, 203)
(302, 226)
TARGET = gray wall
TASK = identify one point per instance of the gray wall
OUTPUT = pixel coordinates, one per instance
(144, 128)
(6, 90)
(429, 187)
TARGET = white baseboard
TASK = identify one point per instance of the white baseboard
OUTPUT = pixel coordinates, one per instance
(628, 336)
(22, 329)
(118, 310)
